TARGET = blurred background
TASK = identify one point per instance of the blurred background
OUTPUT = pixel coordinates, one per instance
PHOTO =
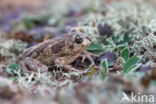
(122, 31)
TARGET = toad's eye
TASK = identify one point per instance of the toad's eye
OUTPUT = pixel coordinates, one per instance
(78, 39)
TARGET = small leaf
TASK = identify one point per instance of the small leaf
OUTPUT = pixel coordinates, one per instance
(122, 61)
(28, 23)
(125, 53)
(102, 75)
(104, 66)
(95, 47)
(110, 56)
(120, 46)
(153, 82)
(110, 63)
(126, 39)
(12, 68)
(93, 70)
(130, 64)
(145, 68)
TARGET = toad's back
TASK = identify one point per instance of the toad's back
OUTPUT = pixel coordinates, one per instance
(47, 51)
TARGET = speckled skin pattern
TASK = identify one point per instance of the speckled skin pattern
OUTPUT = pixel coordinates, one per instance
(62, 51)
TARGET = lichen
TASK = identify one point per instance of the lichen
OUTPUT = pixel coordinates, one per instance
(145, 47)
(126, 19)
(11, 49)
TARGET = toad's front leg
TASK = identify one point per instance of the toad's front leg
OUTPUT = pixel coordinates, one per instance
(87, 55)
(63, 62)
(32, 65)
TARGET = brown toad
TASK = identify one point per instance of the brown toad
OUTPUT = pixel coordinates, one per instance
(60, 51)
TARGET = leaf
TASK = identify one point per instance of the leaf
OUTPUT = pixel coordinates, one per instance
(153, 82)
(110, 63)
(12, 68)
(93, 70)
(125, 53)
(28, 23)
(130, 64)
(95, 47)
(102, 75)
(145, 68)
(126, 39)
(110, 56)
(104, 66)
(122, 61)
(120, 46)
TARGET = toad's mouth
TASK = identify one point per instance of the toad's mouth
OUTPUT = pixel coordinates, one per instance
(87, 41)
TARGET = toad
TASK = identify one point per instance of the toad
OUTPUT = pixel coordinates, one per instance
(59, 51)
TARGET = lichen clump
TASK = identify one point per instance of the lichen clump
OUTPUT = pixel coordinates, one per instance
(145, 47)
(125, 21)
(11, 49)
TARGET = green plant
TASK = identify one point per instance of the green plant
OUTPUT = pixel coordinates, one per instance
(129, 63)
(12, 68)
(104, 66)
